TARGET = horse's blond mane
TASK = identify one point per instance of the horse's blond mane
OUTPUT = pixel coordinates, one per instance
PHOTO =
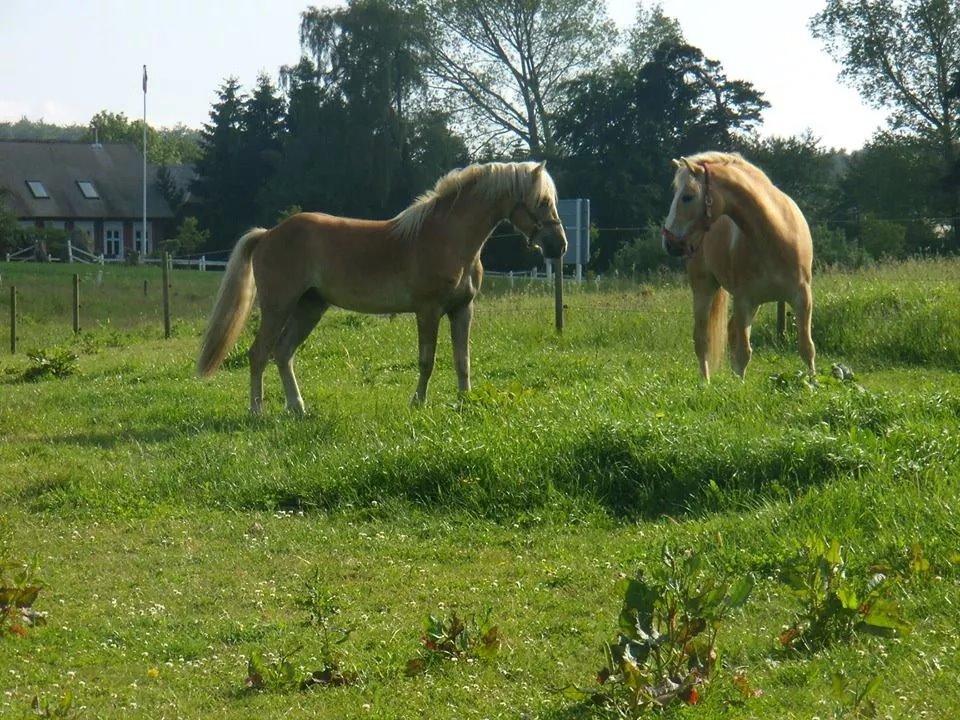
(715, 157)
(488, 181)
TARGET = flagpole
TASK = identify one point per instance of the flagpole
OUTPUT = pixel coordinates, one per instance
(143, 228)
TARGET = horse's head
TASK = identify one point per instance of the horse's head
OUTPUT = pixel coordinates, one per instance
(692, 211)
(535, 215)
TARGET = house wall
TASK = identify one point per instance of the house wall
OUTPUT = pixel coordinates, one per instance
(127, 236)
(157, 230)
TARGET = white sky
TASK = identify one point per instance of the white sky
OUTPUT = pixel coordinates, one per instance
(64, 60)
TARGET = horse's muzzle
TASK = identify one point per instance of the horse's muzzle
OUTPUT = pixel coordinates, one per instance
(675, 245)
(551, 245)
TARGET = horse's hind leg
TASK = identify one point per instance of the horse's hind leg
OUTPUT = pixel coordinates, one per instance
(739, 334)
(460, 320)
(271, 325)
(310, 308)
(803, 309)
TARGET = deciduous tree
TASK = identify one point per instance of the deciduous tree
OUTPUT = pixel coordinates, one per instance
(505, 60)
(902, 54)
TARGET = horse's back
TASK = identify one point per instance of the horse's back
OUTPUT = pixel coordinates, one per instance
(354, 264)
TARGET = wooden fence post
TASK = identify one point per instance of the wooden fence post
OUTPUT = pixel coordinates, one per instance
(166, 295)
(558, 293)
(144, 288)
(781, 321)
(13, 319)
(76, 303)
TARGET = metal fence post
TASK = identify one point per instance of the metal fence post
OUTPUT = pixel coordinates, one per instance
(781, 321)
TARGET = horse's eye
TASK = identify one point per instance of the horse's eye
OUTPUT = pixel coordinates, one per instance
(687, 198)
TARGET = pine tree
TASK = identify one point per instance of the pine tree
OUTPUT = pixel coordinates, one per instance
(225, 210)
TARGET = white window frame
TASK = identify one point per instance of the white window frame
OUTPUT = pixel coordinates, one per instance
(108, 228)
(145, 249)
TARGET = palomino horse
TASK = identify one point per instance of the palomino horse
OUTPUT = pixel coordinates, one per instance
(740, 234)
(425, 261)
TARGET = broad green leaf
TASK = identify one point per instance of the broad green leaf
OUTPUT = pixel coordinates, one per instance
(739, 591)
(871, 686)
(885, 614)
(848, 597)
(833, 554)
(838, 686)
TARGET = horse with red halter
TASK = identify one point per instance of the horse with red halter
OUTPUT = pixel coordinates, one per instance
(740, 235)
(425, 261)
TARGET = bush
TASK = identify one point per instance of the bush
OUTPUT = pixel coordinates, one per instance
(288, 212)
(643, 255)
(882, 238)
(922, 239)
(832, 247)
(189, 237)
(51, 241)
(11, 234)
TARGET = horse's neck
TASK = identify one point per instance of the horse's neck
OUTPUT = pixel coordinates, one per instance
(473, 225)
(747, 201)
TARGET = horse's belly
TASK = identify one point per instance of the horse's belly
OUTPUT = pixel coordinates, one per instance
(364, 296)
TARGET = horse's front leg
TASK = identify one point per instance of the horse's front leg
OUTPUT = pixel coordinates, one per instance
(460, 320)
(428, 323)
(739, 334)
(704, 296)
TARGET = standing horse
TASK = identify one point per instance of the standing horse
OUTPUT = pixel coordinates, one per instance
(425, 261)
(739, 234)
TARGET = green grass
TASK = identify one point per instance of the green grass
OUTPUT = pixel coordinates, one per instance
(175, 532)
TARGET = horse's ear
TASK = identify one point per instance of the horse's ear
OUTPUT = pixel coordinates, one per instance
(688, 165)
(541, 166)
(677, 164)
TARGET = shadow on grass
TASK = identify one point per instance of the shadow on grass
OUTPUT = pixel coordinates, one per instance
(625, 474)
(639, 472)
(649, 473)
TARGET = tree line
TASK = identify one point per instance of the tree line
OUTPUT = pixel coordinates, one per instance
(386, 95)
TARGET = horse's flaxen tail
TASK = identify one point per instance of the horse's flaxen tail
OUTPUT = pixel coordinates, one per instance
(717, 330)
(230, 311)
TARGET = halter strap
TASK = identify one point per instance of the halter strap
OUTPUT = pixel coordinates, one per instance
(532, 217)
(707, 213)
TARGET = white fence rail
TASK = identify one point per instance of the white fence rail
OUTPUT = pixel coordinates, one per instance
(24, 255)
(77, 254)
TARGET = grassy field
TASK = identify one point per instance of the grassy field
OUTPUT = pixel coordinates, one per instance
(176, 535)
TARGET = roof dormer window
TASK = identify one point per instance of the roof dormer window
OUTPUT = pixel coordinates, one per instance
(88, 190)
(37, 189)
